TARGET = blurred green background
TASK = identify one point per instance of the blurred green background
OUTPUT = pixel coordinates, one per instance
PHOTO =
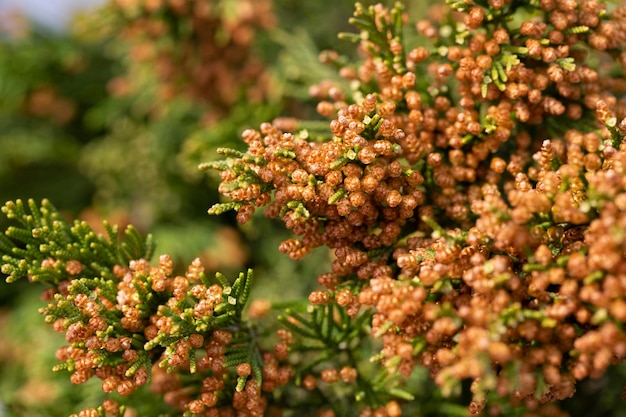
(109, 119)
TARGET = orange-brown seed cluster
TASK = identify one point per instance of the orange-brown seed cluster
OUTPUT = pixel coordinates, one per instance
(477, 186)
(117, 336)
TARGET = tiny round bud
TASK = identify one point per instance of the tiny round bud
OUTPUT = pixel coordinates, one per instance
(244, 369)
(319, 297)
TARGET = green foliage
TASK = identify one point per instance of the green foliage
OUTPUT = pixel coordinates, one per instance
(43, 244)
(329, 337)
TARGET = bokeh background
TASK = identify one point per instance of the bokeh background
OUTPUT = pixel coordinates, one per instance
(107, 108)
(56, 15)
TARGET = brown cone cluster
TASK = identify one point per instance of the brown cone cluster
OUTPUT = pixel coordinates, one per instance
(475, 183)
(173, 333)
